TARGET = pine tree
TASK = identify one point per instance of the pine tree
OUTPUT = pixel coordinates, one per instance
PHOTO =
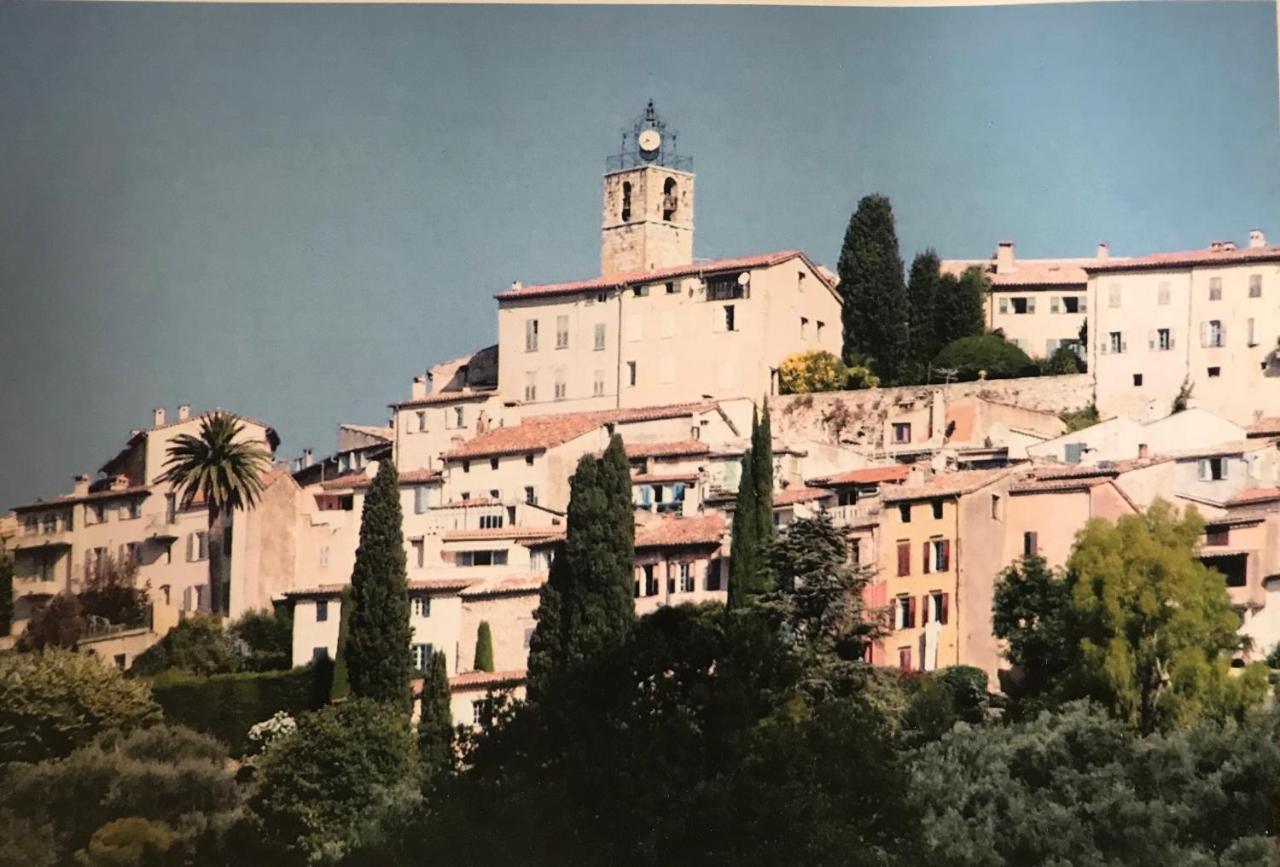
(6, 593)
(435, 721)
(753, 516)
(377, 647)
(587, 606)
(922, 290)
(875, 308)
(484, 647)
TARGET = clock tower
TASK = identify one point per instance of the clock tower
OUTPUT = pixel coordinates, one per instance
(647, 220)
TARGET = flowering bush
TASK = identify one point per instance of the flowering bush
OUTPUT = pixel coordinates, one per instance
(267, 732)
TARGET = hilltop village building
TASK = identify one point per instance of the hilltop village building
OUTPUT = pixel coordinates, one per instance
(940, 488)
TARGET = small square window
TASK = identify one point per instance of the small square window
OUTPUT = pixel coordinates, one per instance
(1214, 372)
(493, 463)
(528, 460)
(937, 509)
(904, 512)
(671, 288)
(1137, 379)
(322, 610)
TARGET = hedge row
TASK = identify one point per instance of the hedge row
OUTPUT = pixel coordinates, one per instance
(226, 705)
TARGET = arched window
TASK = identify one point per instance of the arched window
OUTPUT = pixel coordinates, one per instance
(669, 199)
(626, 201)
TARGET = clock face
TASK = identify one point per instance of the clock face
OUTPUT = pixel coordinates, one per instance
(649, 140)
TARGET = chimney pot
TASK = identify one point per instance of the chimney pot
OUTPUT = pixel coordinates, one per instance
(184, 411)
(419, 390)
(1004, 257)
(157, 416)
(516, 285)
(1143, 450)
(1103, 251)
(81, 485)
(1257, 240)
(306, 458)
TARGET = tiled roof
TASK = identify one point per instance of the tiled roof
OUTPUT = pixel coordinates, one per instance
(791, 496)
(1235, 520)
(433, 586)
(1049, 486)
(446, 397)
(541, 432)
(1268, 426)
(1027, 272)
(1255, 495)
(944, 485)
(657, 275)
(418, 477)
(349, 480)
(671, 449)
(1189, 258)
(663, 478)
(385, 434)
(867, 476)
(668, 532)
(501, 533)
(72, 499)
(474, 680)
(511, 585)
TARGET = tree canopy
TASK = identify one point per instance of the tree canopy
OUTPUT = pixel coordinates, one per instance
(875, 307)
(987, 354)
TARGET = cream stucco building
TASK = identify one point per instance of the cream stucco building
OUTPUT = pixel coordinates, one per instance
(1204, 319)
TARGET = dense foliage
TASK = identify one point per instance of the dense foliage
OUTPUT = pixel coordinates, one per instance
(484, 647)
(988, 355)
(163, 788)
(228, 705)
(922, 293)
(54, 701)
(59, 624)
(818, 370)
(752, 529)
(959, 307)
(435, 721)
(198, 644)
(378, 631)
(111, 593)
(1137, 623)
(323, 789)
(6, 592)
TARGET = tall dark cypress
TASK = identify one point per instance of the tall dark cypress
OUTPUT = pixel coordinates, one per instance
(377, 647)
(762, 475)
(960, 306)
(484, 648)
(875, 309)
(922, 290)
(753, 515)
(587, 606)
(435, 722)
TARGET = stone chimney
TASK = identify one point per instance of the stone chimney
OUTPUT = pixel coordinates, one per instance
(1143, 451)
(419, 390)
(184, 411)
(157, 416)
(516, 285)
(1103, 251)
(1221, 246)
(1004, 257)
(306, 458)
(1257, 240)
(81, 485)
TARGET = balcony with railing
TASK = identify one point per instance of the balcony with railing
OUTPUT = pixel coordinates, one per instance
(856, 513)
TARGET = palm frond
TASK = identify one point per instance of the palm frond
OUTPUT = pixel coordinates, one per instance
(217, 464)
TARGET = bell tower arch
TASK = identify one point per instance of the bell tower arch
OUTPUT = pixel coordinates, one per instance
(647, 219)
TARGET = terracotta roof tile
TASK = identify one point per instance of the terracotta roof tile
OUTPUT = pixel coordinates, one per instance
(72, 499)
(1262, 494)
(867, 476)
(945, 485)
(541, 432)
(385, 434)
(663, 478)
(672, 449)
(422, 585)
(510, 585)
(1027, 272)
(658, 275)
(446, 397)
(791, 496)
(502, 533)
(1189, 258)
(1222, 449)
(1268, 426)
(418, 477)
(349, 480)
(473, 680)
(669, 532)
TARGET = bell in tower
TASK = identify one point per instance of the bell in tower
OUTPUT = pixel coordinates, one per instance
(647, 221)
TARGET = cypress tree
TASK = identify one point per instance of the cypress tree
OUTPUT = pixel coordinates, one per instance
(587, 607)
(377, 647)
(435, 720)
(340, 684)
(484, 647)
(6, 593)
(753, 515)
(922, 290)
(875, 308)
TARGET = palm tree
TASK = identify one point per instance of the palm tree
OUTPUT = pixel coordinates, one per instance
(226, 471)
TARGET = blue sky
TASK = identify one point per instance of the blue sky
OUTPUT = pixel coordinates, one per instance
(288, 211)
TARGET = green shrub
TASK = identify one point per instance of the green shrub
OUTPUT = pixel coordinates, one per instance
(1062, 362)
(54, 701)
(227, 705)
(267, 639)
(198, 645)
(1079, 419)
(125, 842)
(989, 353)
